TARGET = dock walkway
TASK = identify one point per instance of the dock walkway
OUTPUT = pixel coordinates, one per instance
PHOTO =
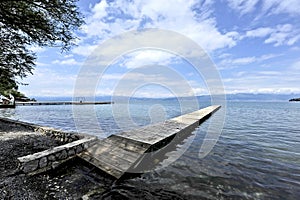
(116, 154)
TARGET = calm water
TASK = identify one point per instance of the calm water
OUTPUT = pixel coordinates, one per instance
(256, 157)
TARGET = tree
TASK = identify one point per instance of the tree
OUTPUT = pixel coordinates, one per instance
(33, 22)
(7, 81)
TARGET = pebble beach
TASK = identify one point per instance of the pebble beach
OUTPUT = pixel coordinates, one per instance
(71, 180)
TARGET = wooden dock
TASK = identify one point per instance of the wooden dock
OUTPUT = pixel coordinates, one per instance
(61, 103)
(117, 154)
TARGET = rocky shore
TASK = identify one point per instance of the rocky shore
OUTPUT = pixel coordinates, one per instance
(71, 180)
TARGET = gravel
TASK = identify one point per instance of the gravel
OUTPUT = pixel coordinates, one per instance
(71, 180)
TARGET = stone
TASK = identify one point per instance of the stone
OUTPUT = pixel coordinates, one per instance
(30, 166)
(64, 138)
(73, 138)
(51, 158)
(55, 164)
(71, 152)
(79, 149)
(62, 155)
(43, 162)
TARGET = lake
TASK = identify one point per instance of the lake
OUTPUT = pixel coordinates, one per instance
(257, 155)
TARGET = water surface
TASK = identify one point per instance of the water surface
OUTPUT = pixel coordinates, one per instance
(256, 157)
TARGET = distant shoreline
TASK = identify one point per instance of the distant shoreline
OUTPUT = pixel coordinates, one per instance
(295, 99)
(261, 97)
(36, 103)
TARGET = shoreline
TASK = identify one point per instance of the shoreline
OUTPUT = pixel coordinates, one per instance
(72, 179)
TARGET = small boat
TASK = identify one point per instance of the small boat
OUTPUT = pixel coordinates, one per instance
(7, 102)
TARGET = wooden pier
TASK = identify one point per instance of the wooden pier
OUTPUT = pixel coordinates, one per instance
(118, 154)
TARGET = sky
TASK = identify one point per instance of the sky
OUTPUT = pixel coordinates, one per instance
(254, 46)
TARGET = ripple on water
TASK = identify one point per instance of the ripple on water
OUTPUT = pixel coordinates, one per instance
(256, 157)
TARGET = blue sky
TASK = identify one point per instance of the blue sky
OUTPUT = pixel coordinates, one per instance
(254, 44)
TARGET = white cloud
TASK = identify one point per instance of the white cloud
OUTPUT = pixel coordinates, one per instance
(291, 7)
(224, 55)
(198, 87)
(284, 34)
(295, 66)
(40, 64)
(112, 76)
(84, 50)
(147, 57)
(68, 56)
(45, 80)
(113, 18)
(200, 91)
(235, 62)
(243, 61)
(154, 81)
(263, 90)
(260, 32)
(269, 56)
(70, 61)
(99, 10)
(37, 49)
(270, 73)
(243, 6)
(272, 81)
(150, 82)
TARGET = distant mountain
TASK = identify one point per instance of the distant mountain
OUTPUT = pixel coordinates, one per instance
(252, 97)
(203, 98)
(260, 97)
(49, 98)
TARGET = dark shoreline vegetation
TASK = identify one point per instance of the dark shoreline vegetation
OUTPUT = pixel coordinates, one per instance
(295, 99)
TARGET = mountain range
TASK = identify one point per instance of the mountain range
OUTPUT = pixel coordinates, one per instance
(229, 97)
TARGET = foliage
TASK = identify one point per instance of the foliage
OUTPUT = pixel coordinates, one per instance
(25, 23)
(7, 81)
